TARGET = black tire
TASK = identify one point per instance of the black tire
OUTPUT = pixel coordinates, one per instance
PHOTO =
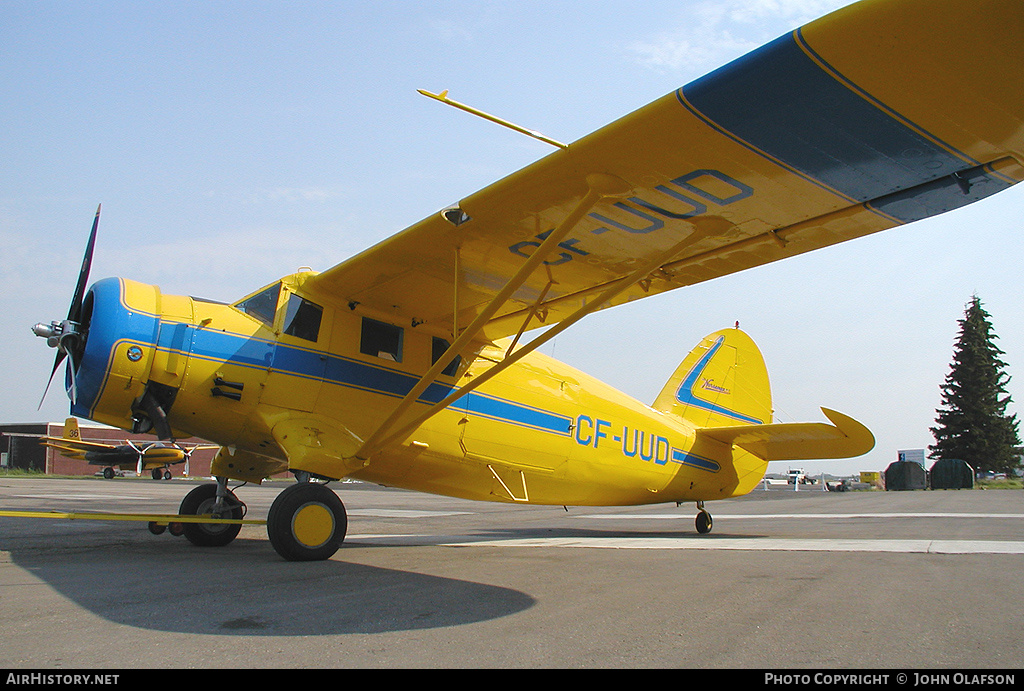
(156, 473)
(108, 473)
(307, 522)
(704, 522)
(201, 501)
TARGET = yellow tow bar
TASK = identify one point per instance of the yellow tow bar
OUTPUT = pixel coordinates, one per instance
(157, 519)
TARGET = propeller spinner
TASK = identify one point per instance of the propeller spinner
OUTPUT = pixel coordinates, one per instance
(68, 335)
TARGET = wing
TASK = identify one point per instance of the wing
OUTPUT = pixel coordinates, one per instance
(879, 114)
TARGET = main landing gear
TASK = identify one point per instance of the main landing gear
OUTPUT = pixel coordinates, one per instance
(306, 522)
(218, 501)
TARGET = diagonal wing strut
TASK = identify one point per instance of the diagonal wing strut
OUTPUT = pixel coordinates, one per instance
(703, 228)
(600, 186)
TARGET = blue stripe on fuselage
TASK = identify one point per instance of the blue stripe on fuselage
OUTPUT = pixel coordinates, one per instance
(116, 323)
(684, 458)
(781, 102)
(110, 323)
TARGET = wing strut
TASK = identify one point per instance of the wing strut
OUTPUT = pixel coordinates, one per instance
(600, 186)
(703, 227)
(534, 309)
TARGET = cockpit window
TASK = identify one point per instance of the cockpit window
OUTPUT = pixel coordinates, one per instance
(440, 346)
(381, 340)
(262, 305)
(302, 319)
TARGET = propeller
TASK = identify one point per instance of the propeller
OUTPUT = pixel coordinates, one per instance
(66, 336)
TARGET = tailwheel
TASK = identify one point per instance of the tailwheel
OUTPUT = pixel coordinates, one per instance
(204, 500)
(703, 522)
(307, 522)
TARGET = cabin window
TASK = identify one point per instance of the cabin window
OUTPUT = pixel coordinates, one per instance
(439, 347)
(381, 340)
(262, 305)
(302, 319)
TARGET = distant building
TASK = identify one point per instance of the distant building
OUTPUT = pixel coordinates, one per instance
(19, 446)
(20, 449)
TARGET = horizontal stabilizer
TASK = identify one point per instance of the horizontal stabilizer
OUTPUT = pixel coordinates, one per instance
(73, 445)
(844, 438)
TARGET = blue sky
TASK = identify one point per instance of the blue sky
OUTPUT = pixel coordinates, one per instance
(231, 143)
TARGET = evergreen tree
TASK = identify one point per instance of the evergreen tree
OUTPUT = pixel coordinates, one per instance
(972, 424)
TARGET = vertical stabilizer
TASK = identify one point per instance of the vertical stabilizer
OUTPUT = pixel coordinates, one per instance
(723, 382)
(71, 430)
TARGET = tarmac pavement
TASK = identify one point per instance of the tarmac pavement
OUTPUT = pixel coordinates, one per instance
(807, 579)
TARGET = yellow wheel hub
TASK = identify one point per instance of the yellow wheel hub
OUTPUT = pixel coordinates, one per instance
(313, 525)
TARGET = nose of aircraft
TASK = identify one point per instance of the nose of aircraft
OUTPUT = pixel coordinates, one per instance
(68, 335)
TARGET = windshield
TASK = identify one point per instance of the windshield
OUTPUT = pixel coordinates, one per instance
(262, 305)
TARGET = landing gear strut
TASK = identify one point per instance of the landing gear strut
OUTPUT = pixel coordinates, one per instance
(218, 500)
(703, 521)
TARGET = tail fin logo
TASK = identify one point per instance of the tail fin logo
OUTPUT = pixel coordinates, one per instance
(686, 393)
(709, 385)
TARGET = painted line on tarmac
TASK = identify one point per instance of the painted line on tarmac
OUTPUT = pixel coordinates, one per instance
(403, 513)
(709, 543)
(83, 497)
(673, 517)
(775, 545)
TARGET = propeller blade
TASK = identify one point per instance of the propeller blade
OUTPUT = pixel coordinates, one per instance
(74, 383)
(74, 314)
(63, 334)
(56, 363)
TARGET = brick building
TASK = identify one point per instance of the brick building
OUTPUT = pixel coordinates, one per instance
(20, 449)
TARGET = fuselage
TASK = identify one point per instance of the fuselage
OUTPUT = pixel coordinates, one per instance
(290, 376)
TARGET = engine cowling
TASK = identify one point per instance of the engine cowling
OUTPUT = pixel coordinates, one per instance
(121, 325)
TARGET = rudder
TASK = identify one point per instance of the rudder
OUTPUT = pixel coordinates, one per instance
(723, 382)
(71, 430)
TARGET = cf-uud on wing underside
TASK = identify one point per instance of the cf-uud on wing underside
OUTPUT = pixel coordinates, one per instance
(410, 364)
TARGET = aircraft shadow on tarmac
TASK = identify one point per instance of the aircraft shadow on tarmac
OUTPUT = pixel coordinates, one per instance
(246, 589)
(136, 579)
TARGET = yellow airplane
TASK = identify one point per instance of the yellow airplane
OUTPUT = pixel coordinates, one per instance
(406, 364)
(156, 456)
